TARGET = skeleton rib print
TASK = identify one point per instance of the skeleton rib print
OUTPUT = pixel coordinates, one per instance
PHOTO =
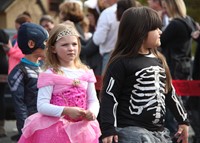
(148, 92)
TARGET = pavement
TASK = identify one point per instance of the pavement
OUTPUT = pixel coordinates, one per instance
(10, 127)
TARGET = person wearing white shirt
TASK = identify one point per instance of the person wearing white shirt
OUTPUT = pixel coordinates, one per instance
(105, 35)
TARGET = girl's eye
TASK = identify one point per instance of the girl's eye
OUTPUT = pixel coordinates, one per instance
(74, 44)
(65, 44)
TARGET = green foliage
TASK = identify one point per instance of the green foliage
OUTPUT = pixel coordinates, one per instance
(193, 9)
(143, 2)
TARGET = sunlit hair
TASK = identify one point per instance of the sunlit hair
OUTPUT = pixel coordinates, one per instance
(176, 8)
(134, 27)
(51, 60)
(71, 11)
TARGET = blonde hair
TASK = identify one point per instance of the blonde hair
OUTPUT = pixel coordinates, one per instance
(51, 60)
(176, 8)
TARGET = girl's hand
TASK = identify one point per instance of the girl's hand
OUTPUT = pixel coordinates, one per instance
(182, 133)
(110, 139)
(74, 112)
(89, 115)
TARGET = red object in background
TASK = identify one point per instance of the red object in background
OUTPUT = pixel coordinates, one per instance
(182, 87)
(98, 83)
(187, 87)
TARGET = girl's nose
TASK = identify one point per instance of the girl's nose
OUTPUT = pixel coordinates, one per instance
(160, 31)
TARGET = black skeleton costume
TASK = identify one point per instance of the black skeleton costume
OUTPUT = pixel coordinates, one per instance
(134, 89)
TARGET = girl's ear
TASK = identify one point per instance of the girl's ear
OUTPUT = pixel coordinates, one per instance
(31, 44)
(53, 49)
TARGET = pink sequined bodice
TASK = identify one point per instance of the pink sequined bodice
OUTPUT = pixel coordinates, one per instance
(66, 91)
(74, 96)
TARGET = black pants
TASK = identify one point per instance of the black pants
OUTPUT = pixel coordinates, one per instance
(2, 101)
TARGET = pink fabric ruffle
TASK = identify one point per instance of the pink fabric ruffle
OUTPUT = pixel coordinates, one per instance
(50, 79)
(39, 125)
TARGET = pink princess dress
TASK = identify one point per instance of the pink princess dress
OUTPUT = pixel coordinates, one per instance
(41, 128)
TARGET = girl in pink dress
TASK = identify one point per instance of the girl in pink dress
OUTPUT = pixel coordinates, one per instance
(67, 102)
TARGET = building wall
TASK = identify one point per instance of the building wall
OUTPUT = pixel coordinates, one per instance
(2, 20)
(19, 6)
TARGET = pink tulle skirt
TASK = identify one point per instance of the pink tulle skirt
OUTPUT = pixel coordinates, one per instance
(45, 129)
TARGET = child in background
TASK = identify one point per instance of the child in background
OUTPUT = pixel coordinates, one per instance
(14, 53)
(23, 78)
(137, 85)
(67, 101)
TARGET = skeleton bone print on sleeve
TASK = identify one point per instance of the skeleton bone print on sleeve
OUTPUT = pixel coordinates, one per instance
(148, 92)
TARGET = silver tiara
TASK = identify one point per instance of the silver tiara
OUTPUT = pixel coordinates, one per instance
(68, 32)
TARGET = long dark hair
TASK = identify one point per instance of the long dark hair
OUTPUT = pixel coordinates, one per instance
(134, 26)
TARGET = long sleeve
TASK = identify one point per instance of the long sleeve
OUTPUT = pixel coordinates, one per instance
(102, 29)
(16, 84)
(43, 102)
(92, 101)
(176, 107)
(112, 84)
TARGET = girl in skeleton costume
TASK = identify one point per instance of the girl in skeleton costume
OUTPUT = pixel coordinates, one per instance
(137, 85)
(67, 101)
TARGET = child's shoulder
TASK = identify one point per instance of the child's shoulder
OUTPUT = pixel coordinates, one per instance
(88, 75)
(17, 70)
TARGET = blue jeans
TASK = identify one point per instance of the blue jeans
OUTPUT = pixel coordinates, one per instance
(141, 135)
(105, 60)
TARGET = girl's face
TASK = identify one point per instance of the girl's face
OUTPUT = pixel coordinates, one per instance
(153, 39)
(67, 49)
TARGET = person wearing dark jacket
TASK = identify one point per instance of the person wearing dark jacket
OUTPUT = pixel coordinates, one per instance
(23, 78)
(4, 39)
(194, 101)
(176, 43)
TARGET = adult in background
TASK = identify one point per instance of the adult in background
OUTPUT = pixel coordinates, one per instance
(176, 44)
(194, 101)
(158, 6)
(90, 50)
(94, 9)
(72, 11)
(105, 35)
(4, 40)
(47, 22)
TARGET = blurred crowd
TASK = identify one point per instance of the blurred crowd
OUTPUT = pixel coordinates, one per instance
(98, 29)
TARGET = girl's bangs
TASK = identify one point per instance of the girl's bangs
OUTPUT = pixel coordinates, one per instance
(155, 22)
